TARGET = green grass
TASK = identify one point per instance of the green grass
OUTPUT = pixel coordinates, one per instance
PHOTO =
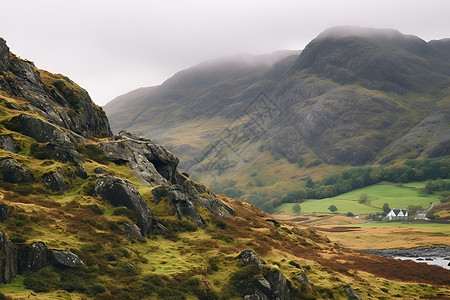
(396, 196)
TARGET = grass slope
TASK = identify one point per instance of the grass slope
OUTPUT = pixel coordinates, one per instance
(394, 195)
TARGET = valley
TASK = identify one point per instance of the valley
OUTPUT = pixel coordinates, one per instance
(93, 211)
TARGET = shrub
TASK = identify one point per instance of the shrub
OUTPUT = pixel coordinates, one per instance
(92, 152)
(241, 280)
(41, 151)
(314, 163)
(213, 264)
(43, 280)
(97, 289)
(349, 214)
(123, 211)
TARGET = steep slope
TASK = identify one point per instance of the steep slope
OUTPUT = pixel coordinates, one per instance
(131, 226)
(354, 96)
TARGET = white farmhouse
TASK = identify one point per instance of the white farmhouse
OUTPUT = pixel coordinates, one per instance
(395, 214)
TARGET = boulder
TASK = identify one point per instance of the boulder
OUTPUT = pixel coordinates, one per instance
(120, 192)
(61, 258)
(152, 163)
(33, 257)
(8, 260)
(303, 279)
(14, 172)
(278, 285)
(132, 230)
(57, 140)
(100, 171)
(351, 293)
(55, 181)
(8, 143)
(249, 257)
(183, 205)
(5, 211)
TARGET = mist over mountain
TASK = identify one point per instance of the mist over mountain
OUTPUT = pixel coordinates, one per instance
(353, 96)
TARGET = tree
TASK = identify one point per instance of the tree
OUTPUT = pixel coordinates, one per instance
(332, 208)
(296, 208)
(386, 209)
(364, 199)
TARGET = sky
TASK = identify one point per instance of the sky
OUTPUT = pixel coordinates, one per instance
(111, 47)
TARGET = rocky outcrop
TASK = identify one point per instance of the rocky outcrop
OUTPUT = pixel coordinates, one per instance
(55, 97)
(120, 192)
(64, 259)
(57, 140)
(272, 285)
(249, 257)
(33, 257)
(8, 260)
(14, 172)
(183, 205)
(8, 143)
(55, 181)
(4, 55)
(150, 162)
(351, 293)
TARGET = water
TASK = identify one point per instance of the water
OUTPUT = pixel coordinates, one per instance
(437, 261)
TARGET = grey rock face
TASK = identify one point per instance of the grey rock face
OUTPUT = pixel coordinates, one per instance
(55, 181)
(8, 260)
(4, 55)
(278, 285)
(150, 162)
(183, 206)
(351, 293)
(45, 132)
(62, 103)
(14, 172)
(249, 257)
(33, 257)
(7, 142)
(64, 259)
(120, 192)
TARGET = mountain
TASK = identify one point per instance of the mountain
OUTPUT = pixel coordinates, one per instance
(354, 96)
(88, 215)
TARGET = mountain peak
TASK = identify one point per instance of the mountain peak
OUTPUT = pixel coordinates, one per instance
(355, 31)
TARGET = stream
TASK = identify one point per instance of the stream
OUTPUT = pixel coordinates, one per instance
(439, 256)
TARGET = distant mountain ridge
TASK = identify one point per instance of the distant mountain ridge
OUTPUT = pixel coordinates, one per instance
(353, 96)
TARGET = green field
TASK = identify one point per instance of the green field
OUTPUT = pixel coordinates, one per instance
(396, 196)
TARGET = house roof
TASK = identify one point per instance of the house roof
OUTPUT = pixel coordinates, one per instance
(397, 211)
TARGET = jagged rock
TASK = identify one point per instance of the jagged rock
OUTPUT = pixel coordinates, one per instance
(4, 55)
(5, 211)
(14, 172)
(303, 279)
(132, 230)
(150, 162)
(207, 200)
(183, 206)
(8, 143)
(8, 260)
(55, 181)
(351, 293)
(120, 192)
(64, 259)
(57, 140)
(33, 257)
(160, 192)
(278, 285)
(249, 257)
(60, 100)
(261, 289)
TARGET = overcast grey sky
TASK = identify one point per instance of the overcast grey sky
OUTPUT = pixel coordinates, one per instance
(111, 47)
